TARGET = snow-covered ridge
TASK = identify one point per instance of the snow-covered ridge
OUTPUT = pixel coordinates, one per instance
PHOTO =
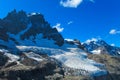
(98, 46)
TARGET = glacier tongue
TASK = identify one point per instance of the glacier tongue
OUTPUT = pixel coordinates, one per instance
(78, 60)
(71, 57)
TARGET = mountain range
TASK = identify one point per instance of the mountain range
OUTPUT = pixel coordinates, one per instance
(30, 49)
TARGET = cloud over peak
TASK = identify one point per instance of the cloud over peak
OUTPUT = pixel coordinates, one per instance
(112, 44)
(90, 40)
(58, 27)
(71, 3)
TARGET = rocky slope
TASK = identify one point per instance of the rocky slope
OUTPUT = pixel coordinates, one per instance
(26, 68)
(112, 64)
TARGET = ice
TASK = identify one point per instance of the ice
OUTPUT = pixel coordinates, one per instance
(79, 60)
(72, 57)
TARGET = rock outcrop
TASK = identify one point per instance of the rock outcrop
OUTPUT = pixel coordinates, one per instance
(111, 62)
(35, 70)
(3, 59)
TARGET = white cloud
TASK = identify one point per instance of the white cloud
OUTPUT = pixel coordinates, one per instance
(114, 31)
(112, 44)
(71, 3)
(58, 27)
(70, 22)
(90, 40)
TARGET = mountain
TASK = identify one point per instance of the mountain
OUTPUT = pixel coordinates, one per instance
(98, 46)
(30, 49)
(18, 28)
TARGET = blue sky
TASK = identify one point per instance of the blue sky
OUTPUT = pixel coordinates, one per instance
(81, 19)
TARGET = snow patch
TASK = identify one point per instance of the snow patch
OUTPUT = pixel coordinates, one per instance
(32, 14)
(96, 51)
(118, 52)
(69, 39)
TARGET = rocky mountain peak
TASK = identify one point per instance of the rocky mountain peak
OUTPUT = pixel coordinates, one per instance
(15, 22)
(20, 26)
